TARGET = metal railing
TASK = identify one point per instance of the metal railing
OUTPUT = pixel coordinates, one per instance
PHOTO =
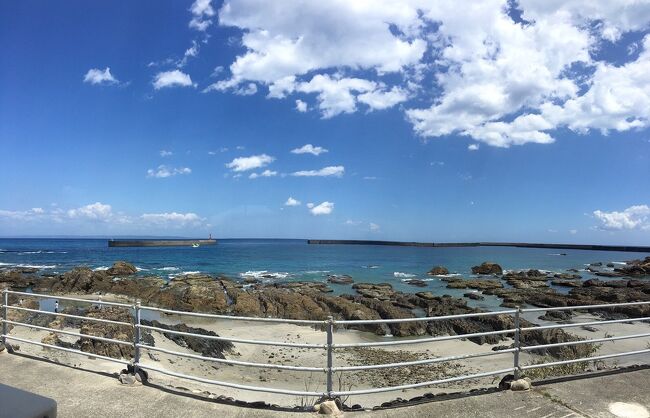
(329, 346)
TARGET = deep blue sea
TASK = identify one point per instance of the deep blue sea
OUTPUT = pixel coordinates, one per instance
(293, 260)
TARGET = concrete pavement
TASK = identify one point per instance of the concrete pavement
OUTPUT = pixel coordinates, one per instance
(81, 393)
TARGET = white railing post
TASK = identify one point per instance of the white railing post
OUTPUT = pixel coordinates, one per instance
(136, 338)
(330, 337)
(5, 317)
(517, 343)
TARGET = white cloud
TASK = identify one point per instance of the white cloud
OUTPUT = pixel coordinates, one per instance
(336, 171)
(97, 76)
(301, 106)
(634, 217)
(95, 211)
(292, 202)
(374, 227)
(202, 13)
(573, 231)
(353, 223)
(370, 178)
(163, 171)
(324, 208)
(309, 149)
(250, 163)
(174, 78)
(265, 173)
(165, 153)
(476, 71)
(172, 219)
(22, 215)
(473, 147)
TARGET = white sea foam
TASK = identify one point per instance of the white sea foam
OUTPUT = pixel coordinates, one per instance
(169, 269)
(31, 266)
(623, 263)
(448, 275)
(316, 271)
(41, 252)
(101, 268)
(141, 269)
(424, 280)
(7, 264)
(370, 267)
(400, 274)
(264, 274)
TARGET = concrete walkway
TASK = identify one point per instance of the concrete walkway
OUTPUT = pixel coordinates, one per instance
(82, 393)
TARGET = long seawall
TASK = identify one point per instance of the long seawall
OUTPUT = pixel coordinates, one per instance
(626, 248)
(160, 242)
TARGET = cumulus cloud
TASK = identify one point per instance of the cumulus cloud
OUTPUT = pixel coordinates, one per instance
(94, 211)
(374, 227)
(174, 78)
(473, 147)
(335, 171)
(165, 153)
(202, 13)
(22, 215)
(173, 219)
(309, 149)
(324, 208)
(292, 202)
(97, 76)
(250, 163)
(164, 171)
(475, 71)
(265, 173)
(634, 217)
(301, 106)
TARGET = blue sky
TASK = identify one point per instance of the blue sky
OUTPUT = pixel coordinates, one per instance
(520, 121)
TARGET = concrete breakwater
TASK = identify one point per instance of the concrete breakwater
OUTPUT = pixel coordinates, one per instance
(160, 243)
(626, 248)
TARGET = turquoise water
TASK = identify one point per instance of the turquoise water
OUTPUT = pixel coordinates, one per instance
(293, 260)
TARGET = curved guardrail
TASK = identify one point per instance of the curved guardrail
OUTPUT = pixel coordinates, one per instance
(329, 346)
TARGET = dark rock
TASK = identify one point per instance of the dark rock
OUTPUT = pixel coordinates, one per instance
(438, 271)
(342, 279)
(416, 282)
(566, 283)
(122, 268)
(474, 296)
(487, 268)
(207, 348)
(556, 316)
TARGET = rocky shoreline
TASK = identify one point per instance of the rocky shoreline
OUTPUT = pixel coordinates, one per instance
(314, 300)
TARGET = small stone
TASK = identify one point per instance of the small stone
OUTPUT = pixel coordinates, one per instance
(521, 384)
(327, 408)
(127, 379)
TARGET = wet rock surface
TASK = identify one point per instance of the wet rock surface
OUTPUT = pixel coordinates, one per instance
(487, 268)
(438, 271)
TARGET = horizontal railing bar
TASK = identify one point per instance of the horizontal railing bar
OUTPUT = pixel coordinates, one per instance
(99, 302)
(68, 350)
(423, 340)
(594, 340)
(234, 362)
(237, 318)
(423, 318)
(85, 318)
(417, 385)
(579, 324)
(231, 385)
(606, 356)
(421, 362)
(233, 340)
(60, 331)
(579, 307)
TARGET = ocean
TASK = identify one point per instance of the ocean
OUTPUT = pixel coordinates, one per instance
(276, 260)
